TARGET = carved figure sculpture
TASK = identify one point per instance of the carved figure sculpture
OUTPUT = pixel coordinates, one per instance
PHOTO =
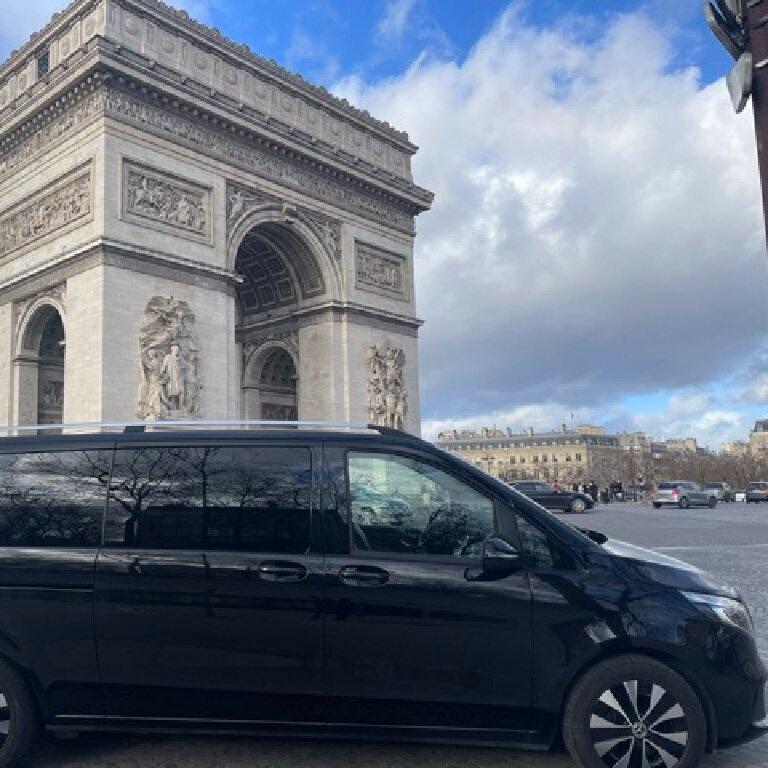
(387, 396)
(168, 360)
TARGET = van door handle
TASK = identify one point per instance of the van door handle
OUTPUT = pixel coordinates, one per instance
(363, 576)
(283, 572)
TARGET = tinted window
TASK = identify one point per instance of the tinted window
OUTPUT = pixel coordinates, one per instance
(667, 486)
(53, 499)
(539, 551)
(406, 506)
(216, 498)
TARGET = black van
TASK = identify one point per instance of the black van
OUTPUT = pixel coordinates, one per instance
(357, 583)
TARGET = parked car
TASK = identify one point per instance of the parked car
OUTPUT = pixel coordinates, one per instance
(722, 490)
(554, 498)
(757, 490)
(224, 580)
(377, 507)
(684, 494)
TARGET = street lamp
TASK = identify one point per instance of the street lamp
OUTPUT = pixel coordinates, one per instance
(742, 27)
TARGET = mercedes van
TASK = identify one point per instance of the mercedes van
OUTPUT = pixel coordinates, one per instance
(233, 580)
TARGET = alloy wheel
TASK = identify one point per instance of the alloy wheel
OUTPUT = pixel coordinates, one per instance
(638, 724)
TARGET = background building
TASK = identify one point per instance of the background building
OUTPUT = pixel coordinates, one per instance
(585, 454)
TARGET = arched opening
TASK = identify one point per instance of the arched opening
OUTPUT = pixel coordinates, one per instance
(279, 275)
(277, 386)
(50, 372)
(41, 364)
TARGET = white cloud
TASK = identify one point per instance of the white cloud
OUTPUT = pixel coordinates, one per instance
(596, 229)
(392, 24)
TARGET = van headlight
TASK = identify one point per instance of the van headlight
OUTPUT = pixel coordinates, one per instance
(726, 610)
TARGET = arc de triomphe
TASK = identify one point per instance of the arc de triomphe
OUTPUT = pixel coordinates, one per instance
(187, 230)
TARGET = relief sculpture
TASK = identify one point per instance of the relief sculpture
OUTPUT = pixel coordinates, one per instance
(166, 201)
(168, 359)
(387, 395)
(48, 213)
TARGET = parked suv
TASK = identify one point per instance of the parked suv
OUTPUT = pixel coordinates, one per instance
(722, 490)
(684, 494)
(757, 490)
(219, 580)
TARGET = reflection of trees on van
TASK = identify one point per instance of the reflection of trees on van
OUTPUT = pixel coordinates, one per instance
(225, 497)
(53, 499)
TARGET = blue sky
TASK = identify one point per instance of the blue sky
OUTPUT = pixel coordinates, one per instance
(596, 244)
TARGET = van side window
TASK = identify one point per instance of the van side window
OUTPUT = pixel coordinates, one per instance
(53, 499)
(405, 506)
(539, 551)
(253, 498)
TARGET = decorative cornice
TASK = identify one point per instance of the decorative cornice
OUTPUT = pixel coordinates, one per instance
(187, 126)
(182, 20)
(52, 124)
(83, 19)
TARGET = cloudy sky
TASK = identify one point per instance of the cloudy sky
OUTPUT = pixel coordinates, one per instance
(596, 248)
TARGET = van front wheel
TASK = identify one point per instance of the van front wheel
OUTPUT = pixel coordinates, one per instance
(19, 720)
(633, 710)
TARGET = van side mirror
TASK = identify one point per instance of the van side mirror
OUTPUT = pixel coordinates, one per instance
(499, 556)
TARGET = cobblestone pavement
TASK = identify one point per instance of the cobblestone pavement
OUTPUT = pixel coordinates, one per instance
(730, 541)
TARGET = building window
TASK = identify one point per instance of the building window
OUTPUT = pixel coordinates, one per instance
(522, 459)
(567, 456)
(544, 457)
(43, 65)
(578, 457)
(536, 459)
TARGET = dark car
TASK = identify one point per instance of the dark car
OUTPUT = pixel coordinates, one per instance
(235, 581)
(757, 490)
(554, 498)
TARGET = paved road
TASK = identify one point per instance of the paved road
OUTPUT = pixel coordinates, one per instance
(730, 541)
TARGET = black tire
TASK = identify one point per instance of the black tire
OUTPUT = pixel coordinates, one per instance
(712, 503)
(684, 503)
(657, 504)
(577, 505)
(19, 713)
(594, 717)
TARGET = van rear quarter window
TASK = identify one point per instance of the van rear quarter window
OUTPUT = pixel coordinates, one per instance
(253, 498)
(53, 498)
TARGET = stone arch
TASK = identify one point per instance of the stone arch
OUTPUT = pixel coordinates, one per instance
(271, 382)
(287, 262)
(295, 233)
(39, 363)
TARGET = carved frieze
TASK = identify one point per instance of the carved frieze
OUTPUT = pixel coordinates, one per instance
(329, 232)
(254, 156)
(169, 364)
(387, 396)
(47, 131)
(380, 271)
(63, 205)
(160, 200)
(241, 201)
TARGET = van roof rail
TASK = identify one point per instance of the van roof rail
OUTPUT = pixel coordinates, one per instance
(169, 424)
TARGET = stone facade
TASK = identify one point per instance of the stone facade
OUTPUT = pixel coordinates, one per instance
(197, 231)
(585, 454)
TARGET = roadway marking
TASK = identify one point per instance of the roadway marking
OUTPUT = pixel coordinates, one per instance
(710, 547)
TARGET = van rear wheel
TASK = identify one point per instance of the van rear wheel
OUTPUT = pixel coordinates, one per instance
(633, 710)
(19, 719)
